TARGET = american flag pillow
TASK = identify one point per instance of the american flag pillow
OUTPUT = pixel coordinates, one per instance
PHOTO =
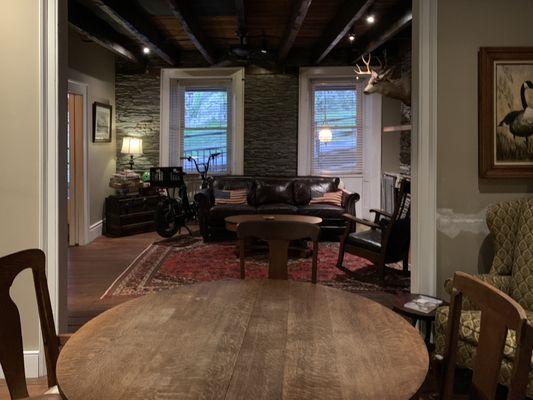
(333, 198)
(230, 197)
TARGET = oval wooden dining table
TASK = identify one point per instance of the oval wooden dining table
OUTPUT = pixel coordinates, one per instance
(253, 339)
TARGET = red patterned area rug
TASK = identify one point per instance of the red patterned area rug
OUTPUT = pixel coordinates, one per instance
(186, 260)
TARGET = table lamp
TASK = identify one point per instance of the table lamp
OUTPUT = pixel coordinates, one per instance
(132, 146)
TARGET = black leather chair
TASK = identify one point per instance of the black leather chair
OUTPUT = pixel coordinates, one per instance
(273, 195)
(387, 240)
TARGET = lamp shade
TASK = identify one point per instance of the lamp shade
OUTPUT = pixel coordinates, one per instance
(325, 135)
(132, 145)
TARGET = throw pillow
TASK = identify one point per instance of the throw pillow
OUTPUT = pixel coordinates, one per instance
(230, 197)
(333, 198)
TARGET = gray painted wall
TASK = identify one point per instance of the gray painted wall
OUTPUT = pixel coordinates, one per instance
(464, 26)
(93, 65)
(390, 141)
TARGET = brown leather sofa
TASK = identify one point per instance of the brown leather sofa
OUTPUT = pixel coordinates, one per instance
(273, 195)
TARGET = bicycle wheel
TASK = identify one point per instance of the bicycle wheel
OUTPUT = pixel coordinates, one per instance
(167, 221)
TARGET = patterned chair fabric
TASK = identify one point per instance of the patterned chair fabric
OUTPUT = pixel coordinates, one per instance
(511, 225)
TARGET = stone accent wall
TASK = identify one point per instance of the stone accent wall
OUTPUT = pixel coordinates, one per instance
(271, 125)
(137, 114)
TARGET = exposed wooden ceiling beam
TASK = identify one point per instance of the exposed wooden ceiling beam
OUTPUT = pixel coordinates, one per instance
(298, 15)
(350, 12)
(241, 15)
(130, 18)
(190, 25)
(390, 31)
(84, 22)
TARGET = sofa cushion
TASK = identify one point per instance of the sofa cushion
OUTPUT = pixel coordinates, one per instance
(227, 197)
(303, 187)
(217, 214)
(268, 191)
(324, 211)
(334, 198)
(277, 208)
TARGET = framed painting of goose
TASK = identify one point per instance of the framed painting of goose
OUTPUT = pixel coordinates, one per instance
(506, 112)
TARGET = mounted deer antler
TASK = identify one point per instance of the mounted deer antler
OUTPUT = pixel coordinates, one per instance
(358, 69)
(380, 80)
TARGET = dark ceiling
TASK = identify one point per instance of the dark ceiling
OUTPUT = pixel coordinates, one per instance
(204, 32)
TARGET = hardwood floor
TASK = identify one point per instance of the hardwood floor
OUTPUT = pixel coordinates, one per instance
(93, 268)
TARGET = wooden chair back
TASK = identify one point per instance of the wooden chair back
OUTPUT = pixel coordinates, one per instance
(499, 313)
(397, 231)
(278, 234)
(11, 349)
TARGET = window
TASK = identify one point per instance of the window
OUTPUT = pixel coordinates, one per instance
(337, 106)
(201, 124)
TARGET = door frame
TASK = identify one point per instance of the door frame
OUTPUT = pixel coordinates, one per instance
(52, 133)
(424, 148)
(82, 89)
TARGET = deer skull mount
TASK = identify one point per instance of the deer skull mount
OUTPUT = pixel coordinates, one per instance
(381, 81)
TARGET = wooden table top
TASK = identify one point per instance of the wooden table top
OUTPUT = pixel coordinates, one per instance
(254, 339)
(234, 220)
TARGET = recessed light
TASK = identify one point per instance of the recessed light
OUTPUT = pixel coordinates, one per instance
(146, 50)
(264, 51)
(370, 19)
(351, 37)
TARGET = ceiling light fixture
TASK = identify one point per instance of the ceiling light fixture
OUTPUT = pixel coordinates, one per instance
(351, 37)
(146, 50)
(370, 19)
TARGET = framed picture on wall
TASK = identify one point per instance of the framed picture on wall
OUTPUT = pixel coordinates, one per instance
(505, 112)
(102, 122)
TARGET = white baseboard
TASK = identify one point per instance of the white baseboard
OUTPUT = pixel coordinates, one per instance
(95, 230)
(31, 364)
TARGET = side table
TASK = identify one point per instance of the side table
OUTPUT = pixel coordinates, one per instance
(415, 316)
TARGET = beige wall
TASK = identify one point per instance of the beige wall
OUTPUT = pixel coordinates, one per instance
(390, 141)
(93, 65)
(464, 26)
(19, 141)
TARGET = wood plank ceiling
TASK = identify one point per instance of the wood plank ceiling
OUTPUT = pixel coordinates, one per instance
(227, 32)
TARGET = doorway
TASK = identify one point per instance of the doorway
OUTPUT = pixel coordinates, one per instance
(76, 163)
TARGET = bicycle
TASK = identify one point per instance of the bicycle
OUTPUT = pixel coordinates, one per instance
(172, 213)
(205, 167)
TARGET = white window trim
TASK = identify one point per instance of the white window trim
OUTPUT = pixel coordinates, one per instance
(307, 74)
(205, 74)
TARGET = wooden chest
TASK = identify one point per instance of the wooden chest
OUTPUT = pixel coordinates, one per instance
(126, 215)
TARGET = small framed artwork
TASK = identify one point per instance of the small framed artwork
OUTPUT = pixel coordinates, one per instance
(101, 122)
(505, 112)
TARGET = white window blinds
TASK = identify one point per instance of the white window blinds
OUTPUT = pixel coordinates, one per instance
(200, 124)
(336, 106)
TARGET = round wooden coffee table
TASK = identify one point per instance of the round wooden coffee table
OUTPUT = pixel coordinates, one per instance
(233, 222)
(267, 339)
(298, 248)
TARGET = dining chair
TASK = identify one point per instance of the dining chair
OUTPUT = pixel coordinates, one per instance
(388, 238)
(11, 349)
(278, 235)
(500, 316)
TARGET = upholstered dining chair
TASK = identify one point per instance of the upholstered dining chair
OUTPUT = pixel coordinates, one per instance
(500, 316)
(278, 235)
(387, 240)
(11, 350)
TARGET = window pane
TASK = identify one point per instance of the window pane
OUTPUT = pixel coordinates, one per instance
(205, 127)
(337, 109)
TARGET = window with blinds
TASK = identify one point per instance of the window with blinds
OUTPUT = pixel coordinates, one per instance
(336, 108)
(200, 124)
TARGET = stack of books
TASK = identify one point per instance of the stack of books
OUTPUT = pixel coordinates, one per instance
(423, 304)
(126, 181)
